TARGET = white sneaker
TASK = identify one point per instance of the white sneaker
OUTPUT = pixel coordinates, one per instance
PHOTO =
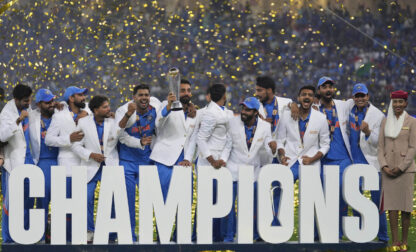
(90, 236)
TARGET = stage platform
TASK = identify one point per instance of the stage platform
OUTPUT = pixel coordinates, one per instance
(263, 247)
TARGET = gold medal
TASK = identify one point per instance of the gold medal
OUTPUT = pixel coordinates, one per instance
(137, 117)
(42, 123)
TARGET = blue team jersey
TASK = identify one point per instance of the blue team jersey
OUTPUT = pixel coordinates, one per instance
(337, 149)
(46, 152)
(25, 126)
(100, 133)
(250, 131)
(272, 111)
(355, 119)
(144, 126)
(303, 124)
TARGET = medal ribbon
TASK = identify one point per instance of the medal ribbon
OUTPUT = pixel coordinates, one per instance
(331, 123)
(275, 114)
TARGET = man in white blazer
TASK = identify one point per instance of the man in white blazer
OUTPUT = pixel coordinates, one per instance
(271, 109)
(337, 114)
(212, 138)
(14, 129)
(192, 150)
(96, 149)
(138, 118)
(62, 133)
(43, 156)
(248, 135)
(364, 127)
(173, 129)
(306, 140)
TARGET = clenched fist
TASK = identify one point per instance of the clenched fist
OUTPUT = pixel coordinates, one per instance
(131, 108)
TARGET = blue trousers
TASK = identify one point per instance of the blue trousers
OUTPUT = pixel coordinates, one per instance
(131, 173)
(228, 223)
(343, 207)
(5, 209)
(375, 197)
(45, 165)
(295, 171)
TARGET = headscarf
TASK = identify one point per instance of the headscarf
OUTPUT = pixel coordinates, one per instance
(393, 124)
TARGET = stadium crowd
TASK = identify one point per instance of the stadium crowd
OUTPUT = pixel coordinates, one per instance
(113, 46)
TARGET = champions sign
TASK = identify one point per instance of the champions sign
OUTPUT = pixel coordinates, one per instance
(318, 204)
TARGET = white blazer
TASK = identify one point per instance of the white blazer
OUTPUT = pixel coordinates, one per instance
(15, 149)
(374, 117)
(192, 150)
(316, 137)
(212, 134)
(173, 134)
(58, 135)
(282, 102)
(91, 144)
(239, 154)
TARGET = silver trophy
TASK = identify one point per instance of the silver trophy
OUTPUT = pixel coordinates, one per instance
(174, 79)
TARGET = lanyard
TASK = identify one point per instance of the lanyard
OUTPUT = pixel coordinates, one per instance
(357, 125)
(275, 115)
(356, 115)
(250, 140)
(331, 123)
(302, 133)
(100, 139)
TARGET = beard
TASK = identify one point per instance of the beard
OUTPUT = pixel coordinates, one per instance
(48, 112)
(263, 100)
(246, 118)
(326, 98)
(80, 104)
(185, 99)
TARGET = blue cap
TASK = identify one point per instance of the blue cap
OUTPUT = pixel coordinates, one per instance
(44, 95)
(251, 103)
(359, 88)
(324, 80)
(70, 91)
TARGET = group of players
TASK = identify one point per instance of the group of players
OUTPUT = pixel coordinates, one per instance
(314, 129)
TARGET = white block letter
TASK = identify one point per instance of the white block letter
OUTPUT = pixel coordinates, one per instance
(179, 200)
(16, 204)
(206, 210)
(112, 183)
(313, 201)
(354, 198)
(61, 206)
(245, 204)
(268, 174)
